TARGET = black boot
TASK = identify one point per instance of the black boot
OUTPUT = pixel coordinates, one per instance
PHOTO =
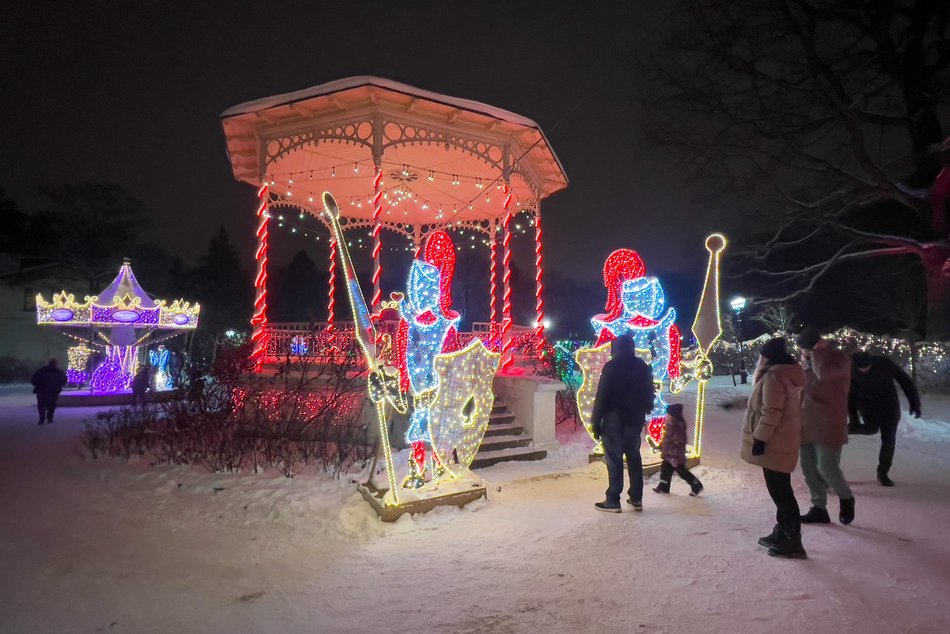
(789, 545)
(883, 479)
(816, 515)
(662, 487)
(697, 488)
(846, 515)
(771, 540)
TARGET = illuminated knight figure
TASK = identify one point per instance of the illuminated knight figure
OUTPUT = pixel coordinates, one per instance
(636, 305)
(427, 328)
(158, 359)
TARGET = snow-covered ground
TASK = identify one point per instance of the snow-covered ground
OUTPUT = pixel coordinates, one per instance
(103, 546)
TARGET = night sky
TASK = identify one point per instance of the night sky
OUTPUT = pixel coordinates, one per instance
(130, 93)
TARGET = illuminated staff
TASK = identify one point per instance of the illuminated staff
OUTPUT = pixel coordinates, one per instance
(365, 334)
(259, 320)
(707, 327)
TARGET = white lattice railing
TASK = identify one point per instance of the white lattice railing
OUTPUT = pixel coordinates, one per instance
(323, 343)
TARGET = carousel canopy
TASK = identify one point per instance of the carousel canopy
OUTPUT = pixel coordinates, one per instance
(442, 160)
(123, 302)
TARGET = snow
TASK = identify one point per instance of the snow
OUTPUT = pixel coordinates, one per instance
(106, 546)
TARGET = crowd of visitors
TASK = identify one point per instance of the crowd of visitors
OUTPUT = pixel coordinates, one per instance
(799, 410)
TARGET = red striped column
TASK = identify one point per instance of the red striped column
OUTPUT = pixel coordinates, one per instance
(331, 287)
(538, 283)
(493, 274)
(259, 320)
(507, 357)
(377, 238)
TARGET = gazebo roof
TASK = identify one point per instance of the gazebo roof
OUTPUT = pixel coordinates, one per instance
(442, 153)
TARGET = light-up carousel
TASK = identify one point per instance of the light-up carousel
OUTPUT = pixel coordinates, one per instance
(119, 322)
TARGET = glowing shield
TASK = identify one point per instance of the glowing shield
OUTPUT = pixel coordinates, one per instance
(591, 361)
(459, 415)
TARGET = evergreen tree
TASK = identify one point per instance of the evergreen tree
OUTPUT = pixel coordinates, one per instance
(222, 287)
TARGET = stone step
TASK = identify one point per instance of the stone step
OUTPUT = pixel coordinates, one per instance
(509, 441)
(501, 418)
(499, 407)
(504, 429)
(488, 458)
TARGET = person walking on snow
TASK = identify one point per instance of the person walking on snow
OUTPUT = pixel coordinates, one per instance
(874, 404)
(673, 447)
(771, 437)
(824, 426)
(47, 383)
(624, 398)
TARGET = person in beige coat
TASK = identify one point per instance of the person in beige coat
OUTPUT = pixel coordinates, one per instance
(825, 426)
(771, 438)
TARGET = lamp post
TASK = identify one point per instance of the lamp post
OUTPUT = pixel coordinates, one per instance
(738, 304)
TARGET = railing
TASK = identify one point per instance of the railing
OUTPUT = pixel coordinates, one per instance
(322, 342)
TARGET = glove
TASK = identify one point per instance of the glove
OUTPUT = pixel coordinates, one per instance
(758, 447)
(915, 412)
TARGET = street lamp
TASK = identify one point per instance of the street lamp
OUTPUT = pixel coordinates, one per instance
(738, 304)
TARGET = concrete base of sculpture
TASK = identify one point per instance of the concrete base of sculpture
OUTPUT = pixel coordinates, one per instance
(417, 502)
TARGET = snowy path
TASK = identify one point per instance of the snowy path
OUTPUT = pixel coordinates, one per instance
(111, 547)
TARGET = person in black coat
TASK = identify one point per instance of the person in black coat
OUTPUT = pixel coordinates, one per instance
(873, 404)
(47, 383)
(624, 398)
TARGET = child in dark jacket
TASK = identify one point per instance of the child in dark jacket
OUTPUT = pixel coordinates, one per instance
(673, 448)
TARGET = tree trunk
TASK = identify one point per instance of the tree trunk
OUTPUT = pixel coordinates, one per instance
(938, 293)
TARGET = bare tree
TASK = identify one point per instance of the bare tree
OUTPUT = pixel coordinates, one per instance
(817, 121)
(776, 317)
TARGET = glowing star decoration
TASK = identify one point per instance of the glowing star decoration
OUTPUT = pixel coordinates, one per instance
(459, 415)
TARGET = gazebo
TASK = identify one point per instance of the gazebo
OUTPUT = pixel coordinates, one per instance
(400, 159)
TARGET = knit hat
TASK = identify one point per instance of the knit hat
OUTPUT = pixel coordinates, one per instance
(809, 337)
(675, 410)
(861, 359)
(774, 350)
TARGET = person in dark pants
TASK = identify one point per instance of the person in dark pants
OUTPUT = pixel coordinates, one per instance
(139, 386)
(625, 396)
(47, 383)
(673, 447)
(771, 437)
(874, 405)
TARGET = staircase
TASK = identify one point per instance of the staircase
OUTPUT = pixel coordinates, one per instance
(505, 440)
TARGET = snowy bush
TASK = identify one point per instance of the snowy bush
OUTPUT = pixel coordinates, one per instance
(236, 420)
